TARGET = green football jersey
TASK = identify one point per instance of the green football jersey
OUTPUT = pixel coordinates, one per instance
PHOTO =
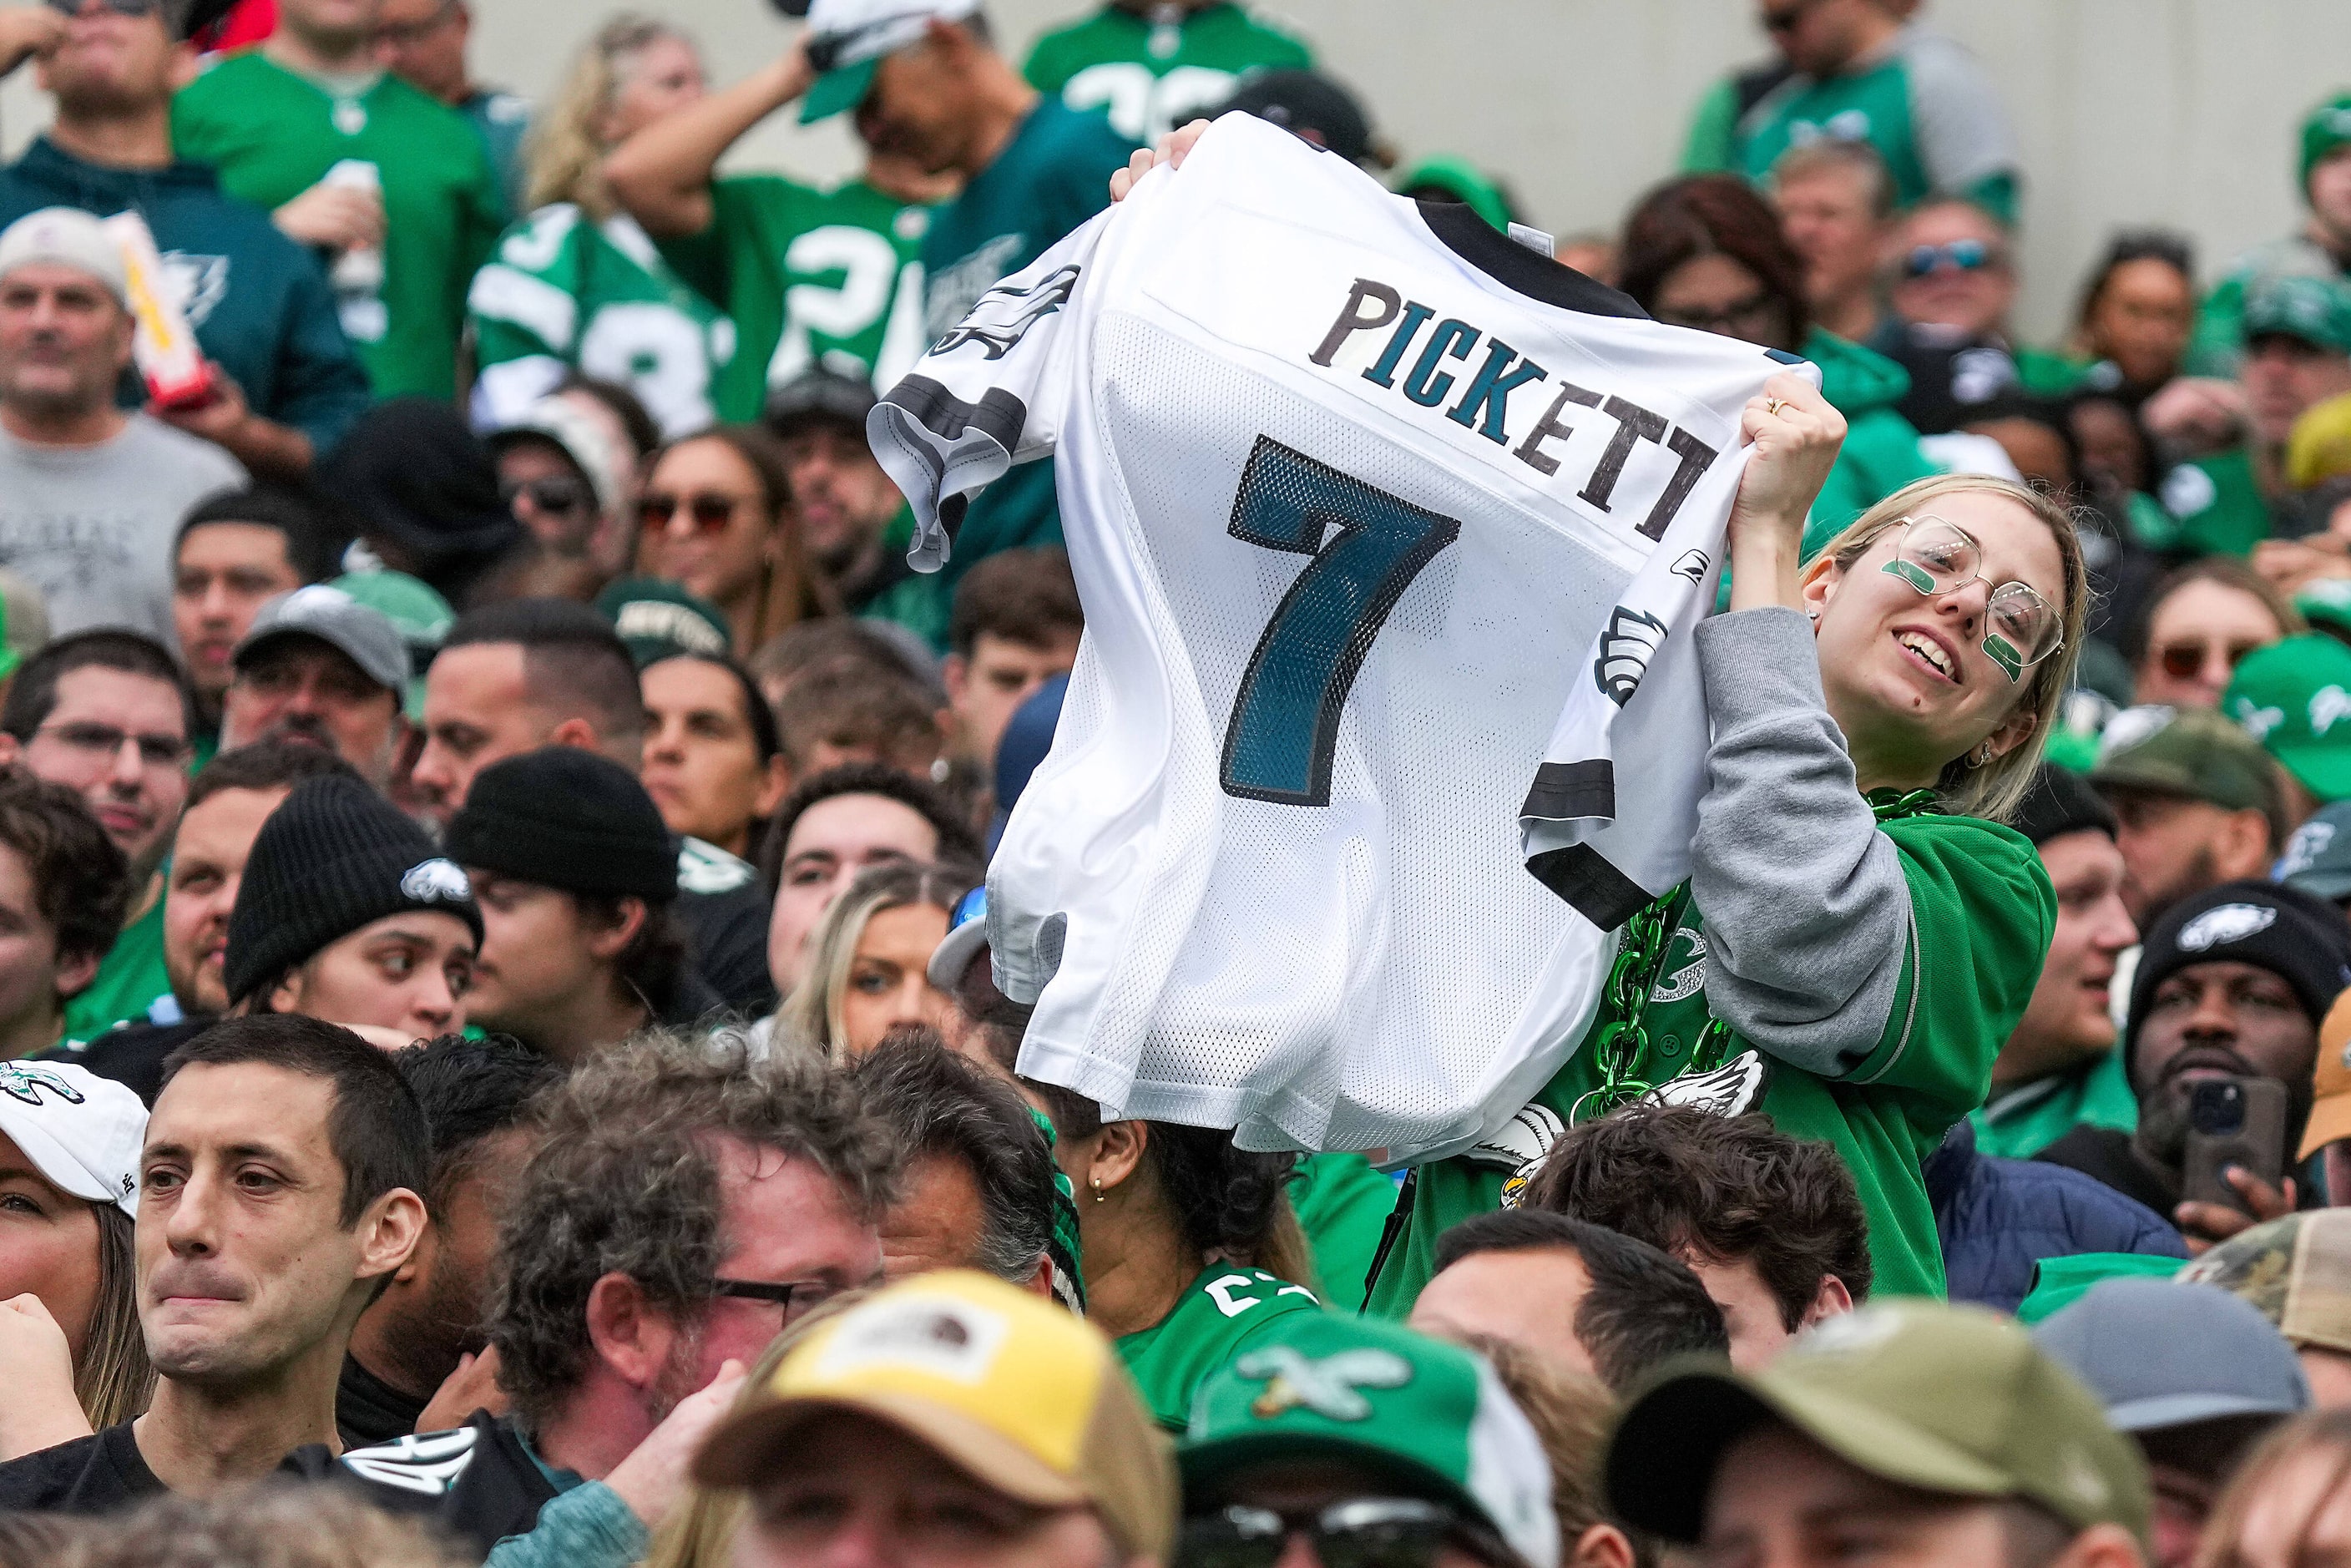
(273, 134)
(809, 276)
(1154, 72)
(1218, 1315)
(1343, 1207)
(1982, 913)
(563, 293)
(128, 981)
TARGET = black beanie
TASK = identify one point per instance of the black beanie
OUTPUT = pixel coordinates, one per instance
(418, 475)
(2301, 939)
(566, 818)
(2061, 801)
(333, 857)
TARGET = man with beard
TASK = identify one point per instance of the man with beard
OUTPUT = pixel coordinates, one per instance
(321, 668)
(2231, 983)
(2197, 802)
(845, 502)
(227, 802)
(423, 1332)
(107, 714)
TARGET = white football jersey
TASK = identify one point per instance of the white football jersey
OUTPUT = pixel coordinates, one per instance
(1366, 504)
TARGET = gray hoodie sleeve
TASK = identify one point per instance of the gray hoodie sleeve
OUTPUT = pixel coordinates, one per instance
(1807, 913)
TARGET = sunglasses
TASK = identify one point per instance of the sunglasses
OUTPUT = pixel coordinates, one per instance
(1361, 1533)
(709, 514)
(1936, 557)
(2186, 661)
(557, 495)
(1724, 322)
(1959, 256)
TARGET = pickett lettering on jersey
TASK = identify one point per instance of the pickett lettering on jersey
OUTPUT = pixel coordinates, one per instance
(1615, 425)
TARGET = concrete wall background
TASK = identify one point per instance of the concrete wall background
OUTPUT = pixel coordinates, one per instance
(2131, 112)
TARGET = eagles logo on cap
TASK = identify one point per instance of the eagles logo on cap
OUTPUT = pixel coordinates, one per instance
(26, 1083)
(1328, 1387)
(2230, 923)
(437, 880)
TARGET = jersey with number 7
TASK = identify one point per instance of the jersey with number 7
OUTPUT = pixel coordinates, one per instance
(1380, 519)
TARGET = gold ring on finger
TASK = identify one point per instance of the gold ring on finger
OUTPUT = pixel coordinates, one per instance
(1773, 405)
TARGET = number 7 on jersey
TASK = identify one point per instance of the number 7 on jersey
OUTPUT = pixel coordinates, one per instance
(1284, 728)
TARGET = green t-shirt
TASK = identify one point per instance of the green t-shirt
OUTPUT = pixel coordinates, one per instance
(809, 276)
(1343, 1207)
(562, 291)
(128, 982)
(1982, 911)
(1152, 75)
(1219, 1315)
(2219, 502)
(2020, 1123)
(273, 134)
(1051, 177)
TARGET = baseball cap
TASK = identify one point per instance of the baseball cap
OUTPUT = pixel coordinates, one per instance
(820, 393)
(1307, 104)
(2123, 1340)
(1949, 1399)
(2323, 129)
(847, 38)
(66, 236)
(657, 619)
(2317, 859)
(421, 616)
(2293, 697)
(2316, 310)
(1016, 1391)
(2330, 1107)
(82, 1133)
(364, 633)
(2186, 752)
(2295, 1271)
(576, 434)
(966, 934)
(2325, 600)
(1376, 1394)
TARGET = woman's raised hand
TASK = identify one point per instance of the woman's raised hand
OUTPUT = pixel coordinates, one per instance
(1795, 435)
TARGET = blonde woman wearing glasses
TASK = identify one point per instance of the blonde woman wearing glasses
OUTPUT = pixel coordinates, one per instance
(1857, 936)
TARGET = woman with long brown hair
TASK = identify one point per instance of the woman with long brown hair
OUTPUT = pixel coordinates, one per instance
(715, 518)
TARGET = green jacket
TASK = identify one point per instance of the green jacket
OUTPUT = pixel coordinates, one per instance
(1881, 450)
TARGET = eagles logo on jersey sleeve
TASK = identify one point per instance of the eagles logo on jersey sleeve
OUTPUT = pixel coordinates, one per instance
(427, 1464)
(1003, 315)
(1625, 651)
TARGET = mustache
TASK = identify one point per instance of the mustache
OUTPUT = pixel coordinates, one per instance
(299, 726)
(2212, 1057)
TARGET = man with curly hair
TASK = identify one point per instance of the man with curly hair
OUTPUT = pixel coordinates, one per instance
(685, 1203)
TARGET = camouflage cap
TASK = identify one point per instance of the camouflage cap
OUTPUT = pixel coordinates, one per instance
(2318, 311)
(2192, 753)
(2297, 1271)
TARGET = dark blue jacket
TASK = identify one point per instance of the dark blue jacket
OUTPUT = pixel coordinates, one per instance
(260, 303)
(1998, 1218)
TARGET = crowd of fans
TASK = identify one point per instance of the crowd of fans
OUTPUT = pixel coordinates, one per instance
(499, 1057)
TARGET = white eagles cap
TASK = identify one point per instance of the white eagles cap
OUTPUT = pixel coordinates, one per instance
(66, 236)
(82, 1133)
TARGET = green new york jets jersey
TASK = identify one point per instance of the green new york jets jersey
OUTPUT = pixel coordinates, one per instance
(1154, 72)
(562, 292)
(273, 134)
(1982, 911)
(1218, 1315)
(809, 277)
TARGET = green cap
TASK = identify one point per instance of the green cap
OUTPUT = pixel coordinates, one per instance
(2316, 310)
(2294, 697)
(2325, 601)
(838, 91)
(1954, 1400)
(2328, 127)
(421, 616)
(2191, 753)
(657, 619)
(1379, 1396)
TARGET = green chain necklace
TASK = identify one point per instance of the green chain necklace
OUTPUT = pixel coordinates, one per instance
(1619, 1049)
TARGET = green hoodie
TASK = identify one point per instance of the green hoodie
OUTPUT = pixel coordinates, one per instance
(1881, 448)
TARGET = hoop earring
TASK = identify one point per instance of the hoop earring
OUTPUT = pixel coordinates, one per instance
(1983, 754)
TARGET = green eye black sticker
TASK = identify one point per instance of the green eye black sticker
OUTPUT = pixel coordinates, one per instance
(2001, 652)
(1911, 573)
